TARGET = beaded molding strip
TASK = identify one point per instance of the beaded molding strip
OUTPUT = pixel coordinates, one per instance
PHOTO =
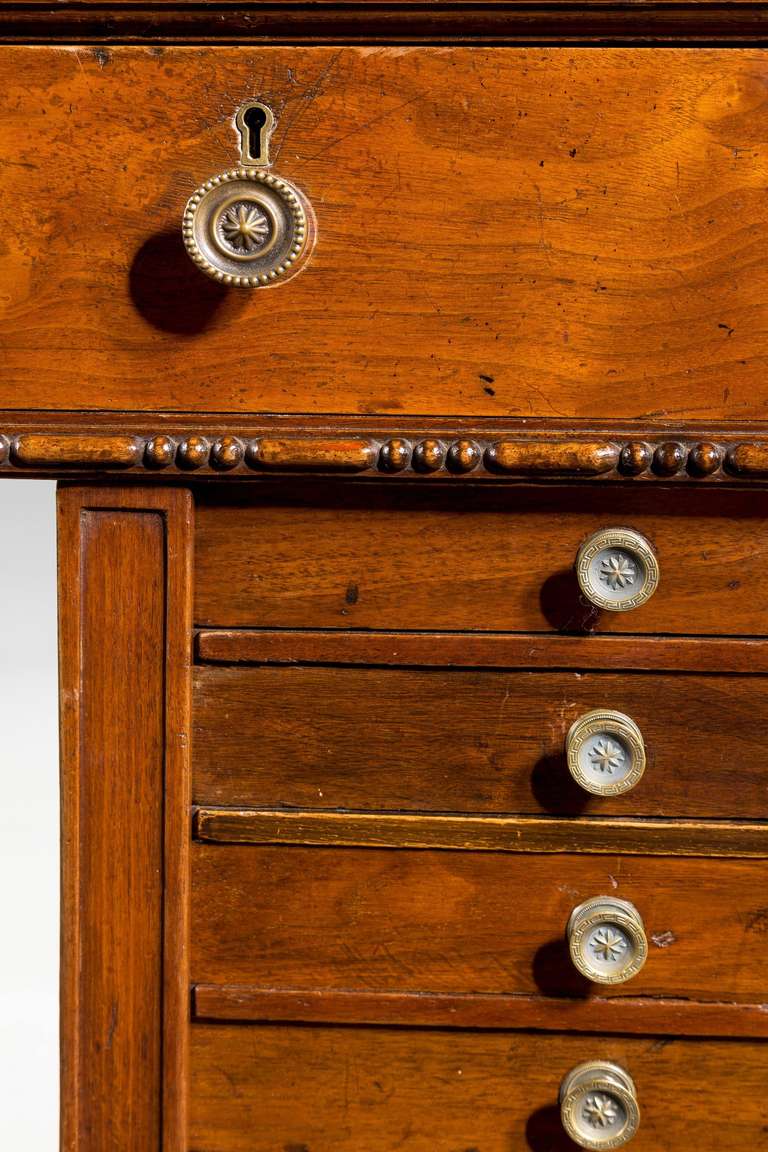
(418, 456)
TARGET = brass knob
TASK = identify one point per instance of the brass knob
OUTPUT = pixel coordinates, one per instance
(598, 1105)
(605, 751)
(606, 938)
(617, 569)
(248, 227)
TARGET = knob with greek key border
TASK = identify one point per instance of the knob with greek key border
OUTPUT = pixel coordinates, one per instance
(598, 1105)
(605, 752)
(606, 940)
(617, 569)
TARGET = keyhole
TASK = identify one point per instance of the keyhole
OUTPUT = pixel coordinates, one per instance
(255, 143)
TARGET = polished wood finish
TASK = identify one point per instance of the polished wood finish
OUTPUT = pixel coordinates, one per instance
(553, 458)
(419, 920)
(483, 833)
(493, 650)
(124, 611)
(536, 308)
(625, 1014)
(327, 455)
(72, 448)
(749, 459)
(313, 556)
(690, 22)
(339, 1090)
(481, 250)
(44, 451)
(471, 741)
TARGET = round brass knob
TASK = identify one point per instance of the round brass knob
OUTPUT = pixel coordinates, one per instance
(248, 228)
(606, 938)
(605, 751)
(598, 1105)
(617, 569)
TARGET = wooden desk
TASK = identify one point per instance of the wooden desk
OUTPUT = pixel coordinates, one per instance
(412, 565)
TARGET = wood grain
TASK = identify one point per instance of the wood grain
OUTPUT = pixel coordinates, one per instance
(484, 833)
(340, 1090)
(34, 450)
(82, 448)
(553, 458)
(590, 22)
(492, 650)
(470, 741)
(607, 235)
(124, 642)
(625, 1014)
(433, 921)
(331, 455)
(313, 556)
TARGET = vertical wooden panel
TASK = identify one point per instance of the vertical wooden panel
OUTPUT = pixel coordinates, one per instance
(125, 639)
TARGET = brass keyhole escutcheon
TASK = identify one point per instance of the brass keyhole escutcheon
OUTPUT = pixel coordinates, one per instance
(255, 123)
(249, 227)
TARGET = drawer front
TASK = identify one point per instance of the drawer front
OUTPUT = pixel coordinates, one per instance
(476, 560)
(439, 921)
(474, 741)
(504, 231)
(342, 1090)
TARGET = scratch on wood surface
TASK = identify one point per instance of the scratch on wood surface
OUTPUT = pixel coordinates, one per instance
(368, 124)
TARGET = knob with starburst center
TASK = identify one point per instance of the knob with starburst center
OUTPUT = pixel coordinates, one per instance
(606, 756)
(608, 944)
(244, 227)
(617, 571)
(600, 1111)
(598, 1106)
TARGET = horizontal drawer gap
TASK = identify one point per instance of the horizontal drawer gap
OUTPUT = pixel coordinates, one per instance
(620, 1014)
(489, 650)
(483, 833)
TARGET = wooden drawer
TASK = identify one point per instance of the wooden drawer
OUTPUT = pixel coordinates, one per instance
(259, 1089)
(475, 559)
(507, 232)
(454, 740)
(440, 921)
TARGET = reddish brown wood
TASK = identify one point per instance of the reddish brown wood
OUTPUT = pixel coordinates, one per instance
(625, 1014)
(46, 451)
(601, 834)
(71, 444)
(481, 250)
(469, 741)
(553, 457)
(385, 557)
(124, 611)
(434, 921)
(493, 650)
(431, 21)
(325, 455)
(342, 1089)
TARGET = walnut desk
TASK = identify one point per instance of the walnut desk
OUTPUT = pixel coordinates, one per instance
(404, 368)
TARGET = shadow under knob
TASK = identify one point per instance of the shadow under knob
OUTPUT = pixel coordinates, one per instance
(606, 940)
(617, 569)
(598, 1105)
(605, 752)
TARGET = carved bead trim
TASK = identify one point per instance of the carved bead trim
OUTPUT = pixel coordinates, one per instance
(71, 451)
(588, 459)
(425, 456)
